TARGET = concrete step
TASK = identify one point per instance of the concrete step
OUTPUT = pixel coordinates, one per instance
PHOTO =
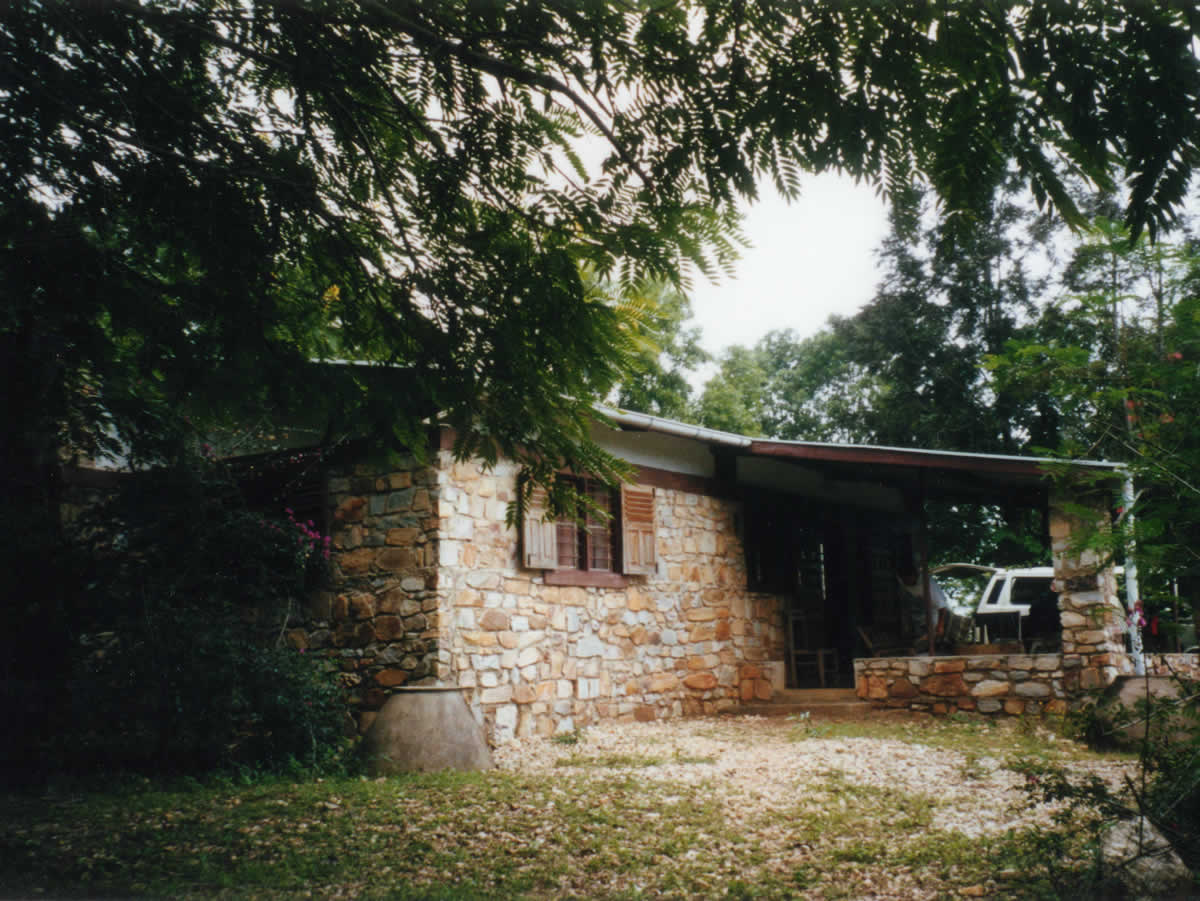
(831, 703)
(814, 695)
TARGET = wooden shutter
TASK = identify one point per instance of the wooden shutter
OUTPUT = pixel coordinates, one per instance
(539, 536)
(639, 551)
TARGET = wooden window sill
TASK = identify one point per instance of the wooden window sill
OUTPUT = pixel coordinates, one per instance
(585, 579)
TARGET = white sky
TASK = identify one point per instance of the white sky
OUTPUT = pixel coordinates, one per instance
(808, 259)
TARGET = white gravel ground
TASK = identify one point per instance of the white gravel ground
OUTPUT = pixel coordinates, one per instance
(762, 764)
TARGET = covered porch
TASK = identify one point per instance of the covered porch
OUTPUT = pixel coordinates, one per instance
(842, 534)
(848, 529)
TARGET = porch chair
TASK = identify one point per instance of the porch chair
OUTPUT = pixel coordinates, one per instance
(805, 658)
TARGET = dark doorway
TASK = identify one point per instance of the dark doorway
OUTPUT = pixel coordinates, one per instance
(835, 569)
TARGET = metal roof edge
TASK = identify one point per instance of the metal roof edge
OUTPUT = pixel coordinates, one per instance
(672, 427)
(930, 452)
(729, 439)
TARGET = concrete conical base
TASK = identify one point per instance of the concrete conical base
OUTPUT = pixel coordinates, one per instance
(425, 729)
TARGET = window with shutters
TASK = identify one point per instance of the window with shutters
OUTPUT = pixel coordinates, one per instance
(592, 549)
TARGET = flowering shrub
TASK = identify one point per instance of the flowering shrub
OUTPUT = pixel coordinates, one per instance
(198, 592)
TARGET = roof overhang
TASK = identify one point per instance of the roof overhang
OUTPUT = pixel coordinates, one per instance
(938, 474)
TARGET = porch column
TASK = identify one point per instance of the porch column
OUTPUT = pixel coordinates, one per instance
(1092, 617)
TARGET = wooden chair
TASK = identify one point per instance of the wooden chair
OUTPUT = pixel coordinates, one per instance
(805, 658)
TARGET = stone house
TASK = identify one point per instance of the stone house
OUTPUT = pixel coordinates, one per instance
(731, 569)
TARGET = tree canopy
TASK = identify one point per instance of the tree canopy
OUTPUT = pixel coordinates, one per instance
(1113, 358)
(199, 198)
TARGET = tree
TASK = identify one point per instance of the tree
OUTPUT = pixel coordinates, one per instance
(790, 388)
(1114, 356)
(814, 392)
(951, 294)
(659, 381)
(199, 199)
(195, 195)
(907, 370)
(733, 400)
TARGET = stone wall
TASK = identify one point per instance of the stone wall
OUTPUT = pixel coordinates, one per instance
(539, 658)
(383, 620)
(430, 590)
(1011, 684)
(1186, 665)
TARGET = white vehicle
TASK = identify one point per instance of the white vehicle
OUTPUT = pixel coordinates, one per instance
(1016, 604)
(1020, 604)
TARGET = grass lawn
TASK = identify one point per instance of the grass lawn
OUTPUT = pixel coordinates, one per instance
(661, 823)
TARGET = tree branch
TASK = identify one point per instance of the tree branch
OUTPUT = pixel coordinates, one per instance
(501, 68)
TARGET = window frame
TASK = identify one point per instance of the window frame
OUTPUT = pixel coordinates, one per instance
(583, 527)
(630, 529)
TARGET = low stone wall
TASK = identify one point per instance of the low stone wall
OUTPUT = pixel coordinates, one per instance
(1186, 665)
(1012, 684)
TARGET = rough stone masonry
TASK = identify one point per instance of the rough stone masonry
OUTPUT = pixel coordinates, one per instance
(430, 590)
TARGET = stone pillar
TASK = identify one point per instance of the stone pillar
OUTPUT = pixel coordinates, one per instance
(1093, 619)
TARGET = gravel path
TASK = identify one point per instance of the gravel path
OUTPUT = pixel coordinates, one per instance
(757, 765)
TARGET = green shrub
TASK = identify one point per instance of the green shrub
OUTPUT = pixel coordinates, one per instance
(1167, 788)
(182, 611)
(1172, 758)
